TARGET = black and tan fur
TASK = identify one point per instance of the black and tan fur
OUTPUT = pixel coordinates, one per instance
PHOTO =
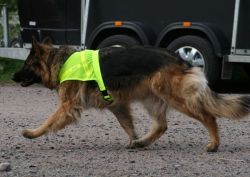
(152, 76)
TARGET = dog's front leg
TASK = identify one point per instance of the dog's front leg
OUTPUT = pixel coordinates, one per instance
(66, 114)
(157, 110)
(122, 113)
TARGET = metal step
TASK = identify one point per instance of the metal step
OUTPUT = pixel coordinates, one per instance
(237, 58)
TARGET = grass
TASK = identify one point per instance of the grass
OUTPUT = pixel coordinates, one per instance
(8, 67)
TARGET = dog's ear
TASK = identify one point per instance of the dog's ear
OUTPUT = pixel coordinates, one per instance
(36, 47)
(47, 41)
(34, 42)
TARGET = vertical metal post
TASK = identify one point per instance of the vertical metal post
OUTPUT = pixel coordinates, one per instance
(5, 25)
(84, 21)
(235, 26)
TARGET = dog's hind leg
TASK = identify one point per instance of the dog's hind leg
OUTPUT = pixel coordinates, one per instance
(186, 92)
(157, 110)
(194, 108)
(211, 125)
(122, 113)
(66, 114)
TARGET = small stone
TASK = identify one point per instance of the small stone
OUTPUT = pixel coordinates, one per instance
(32, 166)
(5, 166)
(177, 165)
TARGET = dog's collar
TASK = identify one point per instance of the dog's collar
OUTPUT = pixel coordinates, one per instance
(84, 66)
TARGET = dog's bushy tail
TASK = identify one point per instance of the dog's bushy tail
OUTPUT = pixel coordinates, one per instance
(201, 99)
(229, 106)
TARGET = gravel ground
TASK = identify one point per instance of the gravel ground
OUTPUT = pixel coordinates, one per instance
(95, 147)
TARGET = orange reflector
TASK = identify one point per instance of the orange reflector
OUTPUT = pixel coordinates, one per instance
(187, 24)
(118, 23)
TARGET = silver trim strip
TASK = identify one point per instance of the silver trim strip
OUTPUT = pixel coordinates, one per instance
(235, 26)
(84, 21)
(237, 58)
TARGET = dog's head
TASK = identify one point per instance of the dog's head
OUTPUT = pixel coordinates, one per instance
(35, 64)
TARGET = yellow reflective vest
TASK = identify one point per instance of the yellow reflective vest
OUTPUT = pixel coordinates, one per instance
(84, 66)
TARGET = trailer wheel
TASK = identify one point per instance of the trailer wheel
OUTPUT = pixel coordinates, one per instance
(199, 52)
(123, 40)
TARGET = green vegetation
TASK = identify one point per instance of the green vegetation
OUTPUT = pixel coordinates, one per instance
(12, 4)
(8, 68)
(14, 31)
(14, 27)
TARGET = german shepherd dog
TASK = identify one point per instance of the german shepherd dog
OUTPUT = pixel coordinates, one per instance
(153, 76)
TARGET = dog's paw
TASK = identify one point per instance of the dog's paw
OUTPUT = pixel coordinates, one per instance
(212, 147)
(129, 146)
(136, 144)
(28, 134)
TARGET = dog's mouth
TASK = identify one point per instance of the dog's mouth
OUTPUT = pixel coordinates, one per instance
(25, 82)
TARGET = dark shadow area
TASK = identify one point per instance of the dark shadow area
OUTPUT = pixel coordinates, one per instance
(240, 82)
(232, 86)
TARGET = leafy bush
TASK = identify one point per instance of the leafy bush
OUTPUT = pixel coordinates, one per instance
(14, 26)
(8, 67)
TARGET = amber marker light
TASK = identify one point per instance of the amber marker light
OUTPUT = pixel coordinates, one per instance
(118, 23)
(186, 24)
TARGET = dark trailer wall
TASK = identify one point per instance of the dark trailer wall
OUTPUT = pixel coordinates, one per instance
(158, 14)
(243, 37)
(207, 39)
(159, 23)
(59, 19)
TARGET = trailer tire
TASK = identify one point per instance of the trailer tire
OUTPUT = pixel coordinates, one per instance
(202, 53)
(120, 39)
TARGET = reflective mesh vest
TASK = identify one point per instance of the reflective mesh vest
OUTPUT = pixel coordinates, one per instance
(84, 66)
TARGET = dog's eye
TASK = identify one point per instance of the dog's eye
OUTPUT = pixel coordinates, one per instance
(30, 61)
(26, 63)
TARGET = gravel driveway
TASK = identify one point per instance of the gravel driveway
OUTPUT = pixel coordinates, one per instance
(95, 147)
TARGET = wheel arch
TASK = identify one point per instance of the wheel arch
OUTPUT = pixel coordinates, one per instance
(107, 29)
(216, 38)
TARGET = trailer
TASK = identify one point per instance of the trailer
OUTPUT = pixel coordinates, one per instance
(210, 34)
